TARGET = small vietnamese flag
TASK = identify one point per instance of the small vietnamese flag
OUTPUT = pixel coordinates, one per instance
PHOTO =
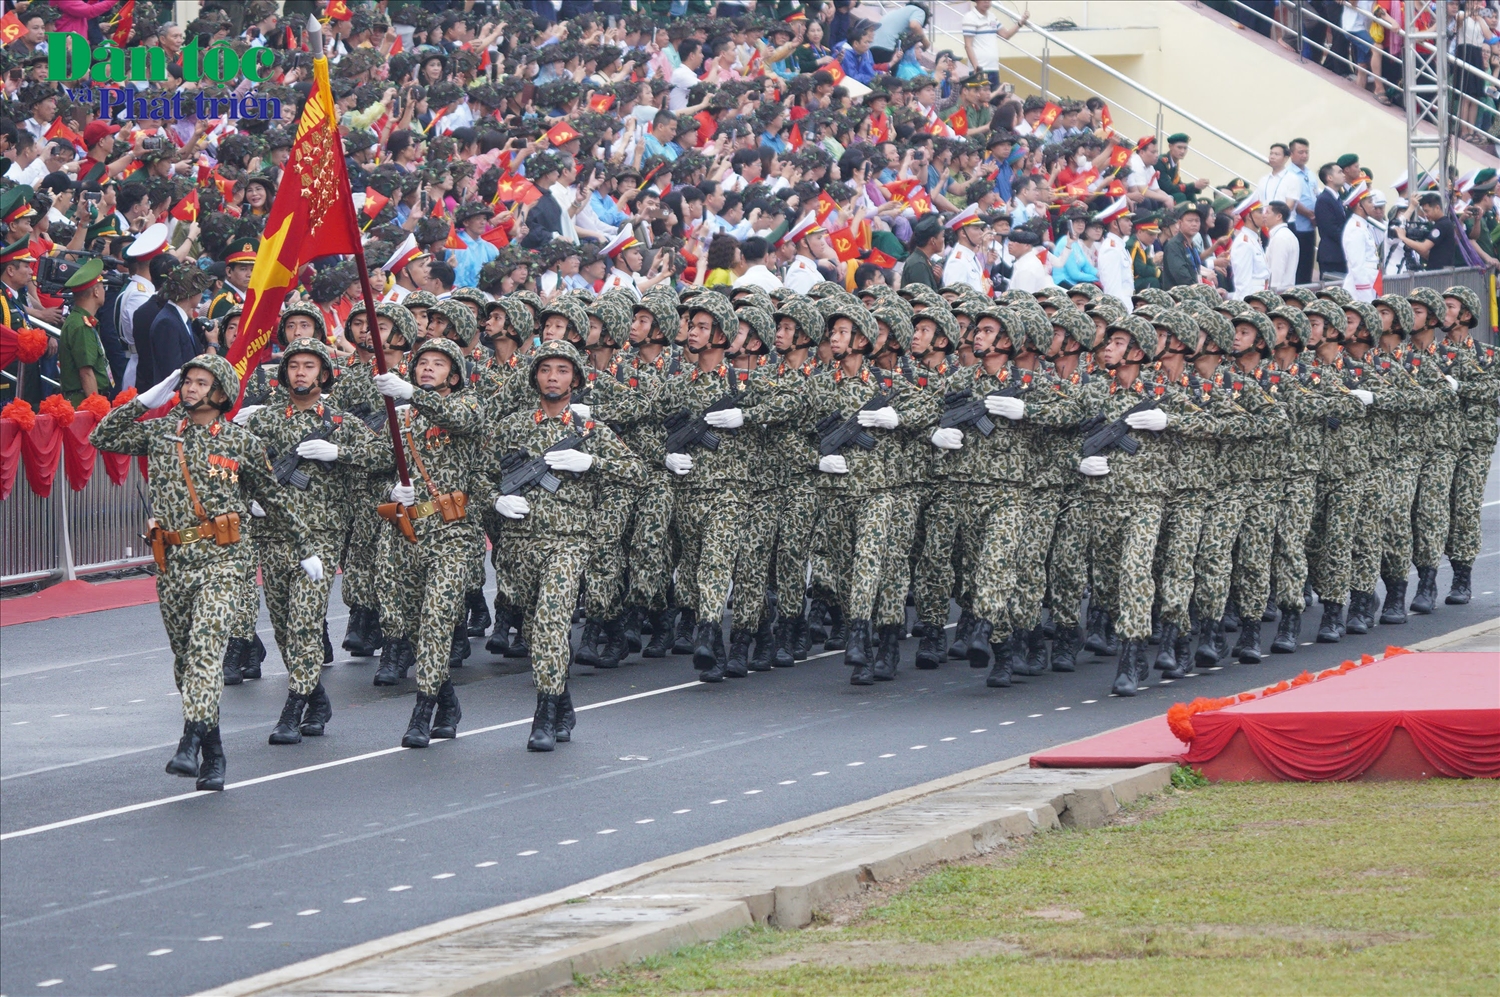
(374, 201)
(900, 189)
(826, 206)
(1119, 155)
(601, 102)
(186, 210)
(843, 244)
(959, 121)
(453, 241)
(396, 46)
(561, 134)
(882, 260)
(60, 130)
(124, 21)
(1050, 111)
(497, 237)
(835, 70)
(864, 234)
(338, 10)
(794, 138)
(11, 28)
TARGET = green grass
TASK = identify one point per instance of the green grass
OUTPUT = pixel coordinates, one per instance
(1284, 888)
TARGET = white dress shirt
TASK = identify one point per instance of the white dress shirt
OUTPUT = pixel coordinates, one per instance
(1031, 272)
(1282, 252)
(758, 276)
(1116, 276)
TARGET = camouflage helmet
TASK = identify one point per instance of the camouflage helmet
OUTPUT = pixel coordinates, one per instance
(1299, 328)
(420, 299)
(403, 323)
(942, 319)
(803, 313)
(1368, 316)
(1403, 319)
(1141, 332)
(571, 311)
(663, 311)
(1088, 292)
(1077, 326)
(1268, 299)
(719, 309)
(461, 324)
(1038, 337)
(518, 317)
(223, 374)
(1430, 299)
(1232, 308)
(1331, 313)
(1216, 328)
(843, 305)
(559, 348)
(317, 349)
(1153, 296)
(447, 348)
(1264, 330)
(614, 322)
(1468, 301)
(1108, 308)
(308, 311)
(897, 321)
(471, 295)
(1303, 296)
(969, 304)
(823, 289)
(762, 326)
(1180, 324)
(532, 300)
(1336, 293)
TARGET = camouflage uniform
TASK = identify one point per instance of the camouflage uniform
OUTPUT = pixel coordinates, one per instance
(1479, 401)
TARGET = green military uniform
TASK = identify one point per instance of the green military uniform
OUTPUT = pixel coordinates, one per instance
(1479, 400)
(79, 346)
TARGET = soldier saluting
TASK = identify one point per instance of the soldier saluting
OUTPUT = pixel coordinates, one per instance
(205, 475)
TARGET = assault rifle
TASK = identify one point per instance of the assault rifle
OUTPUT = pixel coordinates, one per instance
(1102, 436)
(835, 432)
(520, 474)
(685, 431)
(287, 468)
(961, 409)
(372, 417)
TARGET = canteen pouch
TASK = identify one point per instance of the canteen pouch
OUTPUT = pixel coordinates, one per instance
(395, 512)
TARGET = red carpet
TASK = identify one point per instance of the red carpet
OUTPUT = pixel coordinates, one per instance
(73, 598)
(1412, 716)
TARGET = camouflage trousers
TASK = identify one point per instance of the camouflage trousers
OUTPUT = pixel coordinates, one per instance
(895, 581)
(1396, 531)
(649, 551)
(431, 578)
(992, 518)
(397, 618)
(1123, 550)
(852, 548)
(797, 507)
(752, 566)
(199, 602)
(708, 524)
(1294, 515)
(298, 607)
(1250, 581)
(1330, 541)
(1466, 498)
(246, 612)
(1182, 526)
(1038, 523)
(1432, 511)
(932, 551)
(1367, 550)
(1068, 560)
(543, 584)
(1215, 562)
(604, 577)
(361, 564)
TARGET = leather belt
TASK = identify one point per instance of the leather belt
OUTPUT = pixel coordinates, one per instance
(188, 536)
(421, 510)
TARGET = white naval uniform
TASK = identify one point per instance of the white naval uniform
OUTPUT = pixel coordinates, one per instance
(801, 275)
(1361, 257)
(963, 268)
(1116, 276)
(619, 278)
(1247, 263)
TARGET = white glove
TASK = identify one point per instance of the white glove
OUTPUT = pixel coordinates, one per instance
(314, 567)
(1009, 408)
(317, 450)
(161, 392)
(569, 460)
(881, 418)
(581, 410)
(1452, 383)
(1153, 419)
(256, 510)
(948, 439)
(1365, 397)
(730, 418)
(394, 386)
(833, 464)
(1094, 467)
(242, 417)
(512, 506)
(405, 494)
(679, 463)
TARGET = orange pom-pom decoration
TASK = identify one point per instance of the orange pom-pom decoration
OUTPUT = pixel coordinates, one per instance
(21, 413)
(1278, 687)
(1302, 679)
(1328, 673)
(31, 345)
(1346, 668)
(1180, 720)
(96, 404)
(125, 397)
(1367, 659)
(1245, 697)
(1391, 651)
(58, 408)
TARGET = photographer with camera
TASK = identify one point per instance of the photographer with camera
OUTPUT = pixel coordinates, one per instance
(1429, 234)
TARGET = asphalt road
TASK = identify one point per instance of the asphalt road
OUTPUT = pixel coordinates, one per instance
(346, 838)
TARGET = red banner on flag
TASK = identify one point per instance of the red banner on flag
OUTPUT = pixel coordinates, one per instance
(124, 21)
(794, 138)
(1050, 111)
(835, 70)
(338, 10)
(959, 121)
(844, 245)
(11, 28)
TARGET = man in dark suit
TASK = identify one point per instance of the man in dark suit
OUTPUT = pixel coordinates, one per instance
(1181, 259)
(1329, 215)
(170, 341)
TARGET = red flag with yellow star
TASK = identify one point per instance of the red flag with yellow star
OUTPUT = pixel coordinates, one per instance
(312, 216)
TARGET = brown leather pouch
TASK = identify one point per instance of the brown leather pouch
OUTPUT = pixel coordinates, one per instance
(395, 512)
(451, 505)
(156, 536)
(226, 529)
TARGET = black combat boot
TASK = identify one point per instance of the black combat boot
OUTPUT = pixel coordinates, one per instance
(567, 719)
(543, 724)
(250, 663)
(1426, 591)
(459, 648)
(374, 632)
(419, 727)
(289, 727)
(857, 650)
(1094, 640)
(361, 639)
(479, 613)
(1460, 588)
(1155, 637)
(1288, 629)
(888, 654)
(211, 771)
(445, 719)
(1393, 613)
(979, 649)
(615, 645)
(1065, 648)
(1000, 674)
(838, 629)
(354, 632)
(660, 644)
(1308, 595)
(1361, 612)
(1182, 657)
(738, 664)
(327, 645)
(1020, 663)
(802, 639)
(499, 639)
(588, 644)
(1231, 620)
(718, 671)
(687, 623)
(934, 647)
(959, 649)
(519, 648)
(703, 645)
(1329, 630)
(185, 762)
(1210, 639)
(1247, 648)
(1166, 658)
(765, 643)
(631, 622)
(1126, 682)
(1038, 658)
(393, 662)
(319, 711)
(817, 619)
(1268, 615)
(235, 653)
(785, 654)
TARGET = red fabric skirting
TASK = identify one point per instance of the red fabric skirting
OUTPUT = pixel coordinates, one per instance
(78, 452)
(41, 451)
(10, 456)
